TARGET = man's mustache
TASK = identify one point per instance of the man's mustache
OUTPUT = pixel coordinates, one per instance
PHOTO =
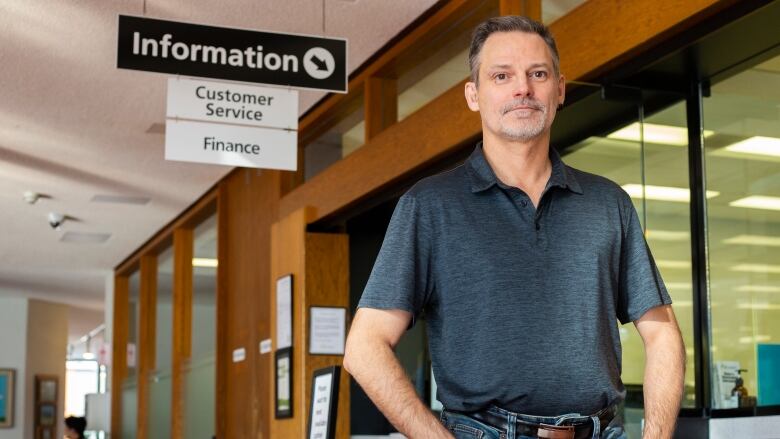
(522, 102)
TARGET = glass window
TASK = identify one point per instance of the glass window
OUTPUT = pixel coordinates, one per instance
(129, 398)
(160, 378)
(555, 9)
(743, 166)
(649, 160)
(81, 378)
(199, 373)
(342, 139)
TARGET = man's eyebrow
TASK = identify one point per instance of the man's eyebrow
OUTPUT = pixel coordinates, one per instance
(500, 66)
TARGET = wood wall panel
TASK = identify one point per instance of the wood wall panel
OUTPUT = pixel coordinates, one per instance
(319, 264)
(182, 324)
(247, 208)
(381, 105)
(119, 351)
(146, 342)
(592, 38)
(529, 8)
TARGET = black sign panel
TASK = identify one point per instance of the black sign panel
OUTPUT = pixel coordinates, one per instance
(234, 54)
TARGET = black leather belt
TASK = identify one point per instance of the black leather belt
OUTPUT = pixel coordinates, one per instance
(580, 430)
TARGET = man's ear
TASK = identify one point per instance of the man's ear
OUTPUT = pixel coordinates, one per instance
(561, 90)
(471, 96)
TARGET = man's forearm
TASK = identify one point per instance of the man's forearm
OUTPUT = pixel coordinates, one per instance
(377, 370)
(663, 386)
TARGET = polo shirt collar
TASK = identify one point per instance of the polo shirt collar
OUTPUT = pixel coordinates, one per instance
(483, 177)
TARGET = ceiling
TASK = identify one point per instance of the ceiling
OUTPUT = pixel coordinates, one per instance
(73, 126)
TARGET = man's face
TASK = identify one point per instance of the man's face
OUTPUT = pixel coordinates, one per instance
(518, 90)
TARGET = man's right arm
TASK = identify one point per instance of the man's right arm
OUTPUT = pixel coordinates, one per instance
(370, 358)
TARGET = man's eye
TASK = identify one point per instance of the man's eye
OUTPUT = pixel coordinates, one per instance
(500, 76)
(539, 74)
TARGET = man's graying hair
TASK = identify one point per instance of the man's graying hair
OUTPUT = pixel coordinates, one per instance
(508, 23)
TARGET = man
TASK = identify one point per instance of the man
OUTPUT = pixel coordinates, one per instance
(522, 266)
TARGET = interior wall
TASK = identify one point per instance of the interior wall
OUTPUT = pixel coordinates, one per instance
(47, 345)
(13, 355)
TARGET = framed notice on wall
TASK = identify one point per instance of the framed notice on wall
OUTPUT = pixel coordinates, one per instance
(324, 403)
(328, 327)
(7, 398)
(284, 289)
(283, 395)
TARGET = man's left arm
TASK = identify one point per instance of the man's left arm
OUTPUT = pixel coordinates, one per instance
(664, 370)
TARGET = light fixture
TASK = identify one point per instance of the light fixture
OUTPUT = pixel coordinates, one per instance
(204, 262)
(754, 339)
(662, 193)
(88, 356)
(666, 263)
(759, 240)
(655, 133)
(757, 202)
(756, 268)
(758, 289)
(666, 235)
(31, 197)
(757, 145)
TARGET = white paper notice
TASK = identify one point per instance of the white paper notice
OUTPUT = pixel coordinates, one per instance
(320, 410)
(284, 312)
(328, 330)
(239, 355)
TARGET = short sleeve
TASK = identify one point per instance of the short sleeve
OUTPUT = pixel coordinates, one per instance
(640, 287)
(399, 279)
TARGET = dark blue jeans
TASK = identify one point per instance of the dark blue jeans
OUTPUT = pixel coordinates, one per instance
(464, 427)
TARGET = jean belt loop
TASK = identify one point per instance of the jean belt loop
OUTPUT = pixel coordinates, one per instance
(511, 426)
(596, 427)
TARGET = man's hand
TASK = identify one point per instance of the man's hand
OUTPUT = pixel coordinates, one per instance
(664, 371)
(370, 359)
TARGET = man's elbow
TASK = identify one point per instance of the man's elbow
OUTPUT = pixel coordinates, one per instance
(350, 356)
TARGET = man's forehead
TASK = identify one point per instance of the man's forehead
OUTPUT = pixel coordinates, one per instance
(506, 47)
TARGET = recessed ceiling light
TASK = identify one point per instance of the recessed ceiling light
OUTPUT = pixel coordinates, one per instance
(85, 237)
(654, 133)
(666, 263)
(757, 202)
(754, 339)
(758, 289)
(666, 235)
(757, 145)
(756, 268)
(759, 240)
(662, 193)
(204, 262)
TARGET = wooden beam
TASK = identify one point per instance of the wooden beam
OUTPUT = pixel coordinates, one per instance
(147, 341)
(380, 105)
(528, 8)
(182, 325)
(119, 351)
(223, 302)
(597, 35)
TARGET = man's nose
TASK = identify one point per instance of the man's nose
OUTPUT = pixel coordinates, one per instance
(522, 87)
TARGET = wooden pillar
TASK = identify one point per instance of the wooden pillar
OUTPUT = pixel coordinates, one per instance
(319, 264)
(146, 342)
(380, 105)
(528, 8)
(119, 351)
(182, 324)
(223, 339)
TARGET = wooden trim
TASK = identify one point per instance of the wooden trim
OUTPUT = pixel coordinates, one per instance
(183, 250)
(223, 302)
(146, 342)
(595, 36)
(380, 105)
(119, 351)
(194, 214)
(529, 8)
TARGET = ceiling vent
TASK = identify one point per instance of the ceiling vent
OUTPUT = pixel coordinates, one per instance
(120, 199)
(85, 237)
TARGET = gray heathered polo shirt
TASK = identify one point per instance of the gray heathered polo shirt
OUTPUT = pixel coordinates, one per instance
(521, 303)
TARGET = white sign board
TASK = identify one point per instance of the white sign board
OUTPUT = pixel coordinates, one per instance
(284, 312)
(231, 124)
(265, 346)
(328, 330)
(232, 103)
(320, 409)
(239, 355)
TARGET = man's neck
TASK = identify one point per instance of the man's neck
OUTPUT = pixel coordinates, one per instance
(525, 165)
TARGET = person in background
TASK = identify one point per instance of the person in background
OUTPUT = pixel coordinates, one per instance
(75, 427)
